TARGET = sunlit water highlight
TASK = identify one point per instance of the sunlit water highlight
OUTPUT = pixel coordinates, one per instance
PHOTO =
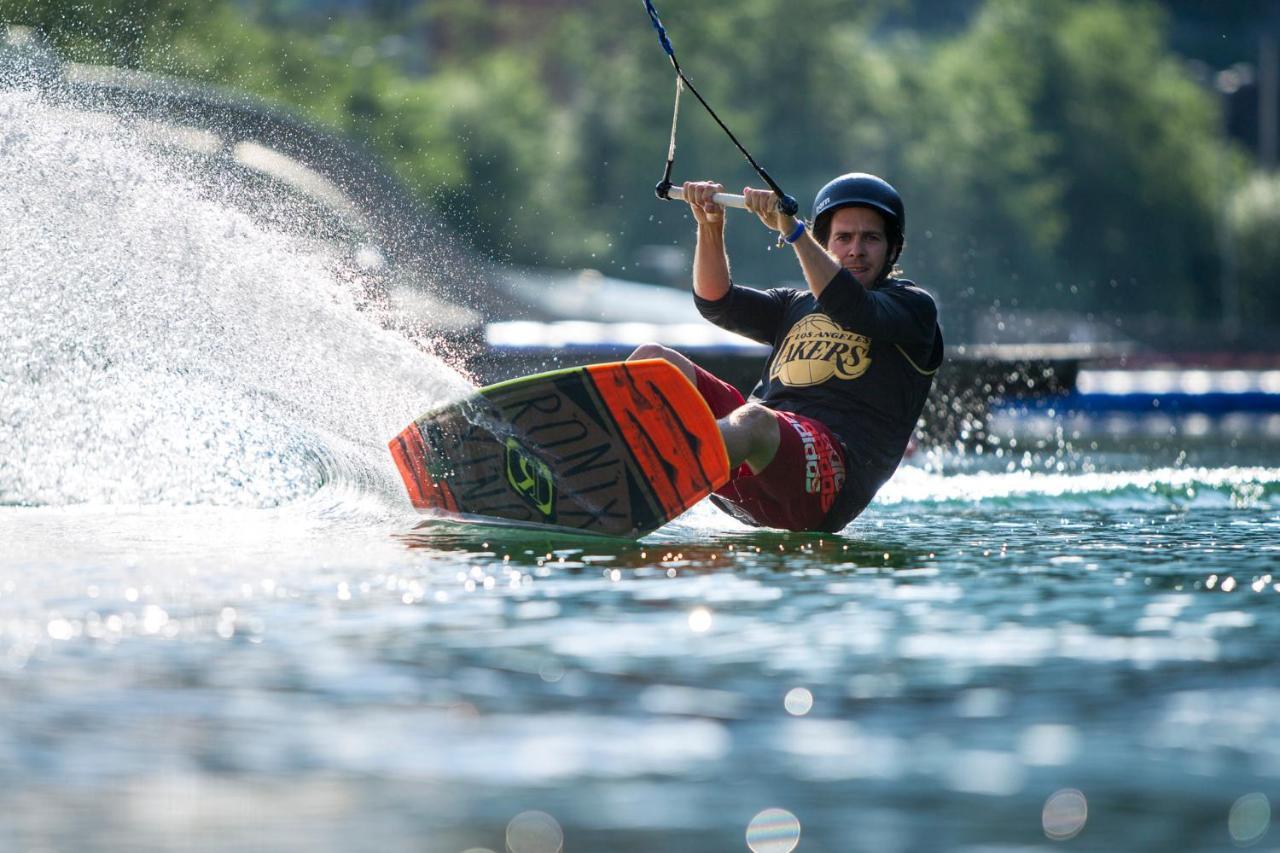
(218, 630)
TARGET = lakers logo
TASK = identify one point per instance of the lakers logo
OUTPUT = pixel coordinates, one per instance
(531, 478)
(816, 349)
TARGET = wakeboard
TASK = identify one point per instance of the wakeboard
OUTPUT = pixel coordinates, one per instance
(617, 449)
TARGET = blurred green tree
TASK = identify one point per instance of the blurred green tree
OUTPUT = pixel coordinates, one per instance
(1053, 155)
(1138, 155)
(1254, 217)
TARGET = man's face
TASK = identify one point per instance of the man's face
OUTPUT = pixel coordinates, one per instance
(859, 242)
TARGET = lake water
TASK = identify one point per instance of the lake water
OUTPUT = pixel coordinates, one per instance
(219, 630)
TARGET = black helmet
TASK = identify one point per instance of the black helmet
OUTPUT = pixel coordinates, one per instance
(858, 189)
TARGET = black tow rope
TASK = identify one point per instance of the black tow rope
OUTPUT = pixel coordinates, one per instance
(786, 204)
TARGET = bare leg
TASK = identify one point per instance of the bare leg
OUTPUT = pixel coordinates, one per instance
(659, 351)
(750, 435)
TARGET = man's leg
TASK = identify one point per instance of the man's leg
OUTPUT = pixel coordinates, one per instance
(659, 351)
(750, 435)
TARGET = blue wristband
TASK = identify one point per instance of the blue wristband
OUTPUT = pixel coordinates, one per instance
(795, 235)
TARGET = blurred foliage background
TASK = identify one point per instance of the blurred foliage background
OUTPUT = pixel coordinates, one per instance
(1068, 156)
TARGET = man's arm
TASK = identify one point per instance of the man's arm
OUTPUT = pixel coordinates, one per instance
(710, 263)
(743, 310)
(819, 268)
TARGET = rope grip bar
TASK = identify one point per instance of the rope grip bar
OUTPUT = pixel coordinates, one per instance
(668, 191)
(672, 192)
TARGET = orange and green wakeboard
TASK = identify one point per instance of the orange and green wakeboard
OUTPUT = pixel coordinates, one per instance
(618, 449)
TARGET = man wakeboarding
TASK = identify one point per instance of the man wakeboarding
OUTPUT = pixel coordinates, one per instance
(852, 360)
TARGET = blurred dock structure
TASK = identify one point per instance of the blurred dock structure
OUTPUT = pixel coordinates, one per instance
(1154, 396)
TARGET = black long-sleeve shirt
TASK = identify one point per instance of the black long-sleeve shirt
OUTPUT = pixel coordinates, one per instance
(860, 361)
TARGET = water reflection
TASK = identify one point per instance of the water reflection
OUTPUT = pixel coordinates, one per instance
(676, 549)
(981, 655)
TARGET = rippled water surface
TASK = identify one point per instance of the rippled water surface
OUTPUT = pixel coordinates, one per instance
(935, 677)
(219, 629)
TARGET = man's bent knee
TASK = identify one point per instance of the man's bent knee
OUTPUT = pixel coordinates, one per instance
(666, 354)
(751, 435)
(759, 421)
(651, 350)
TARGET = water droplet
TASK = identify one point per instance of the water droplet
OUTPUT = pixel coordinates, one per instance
(534, 832)
(1065, 814)
(1250, 818)
(798, 702)
(773, 831)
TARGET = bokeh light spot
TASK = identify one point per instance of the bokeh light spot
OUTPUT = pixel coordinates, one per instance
(1048, 745)
(773, 831)
(534, 832)
(1064, 815)
(700, 620)
(798, 701)
(1249, 819)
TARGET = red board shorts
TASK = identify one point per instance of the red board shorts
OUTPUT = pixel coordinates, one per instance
(797, 488)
